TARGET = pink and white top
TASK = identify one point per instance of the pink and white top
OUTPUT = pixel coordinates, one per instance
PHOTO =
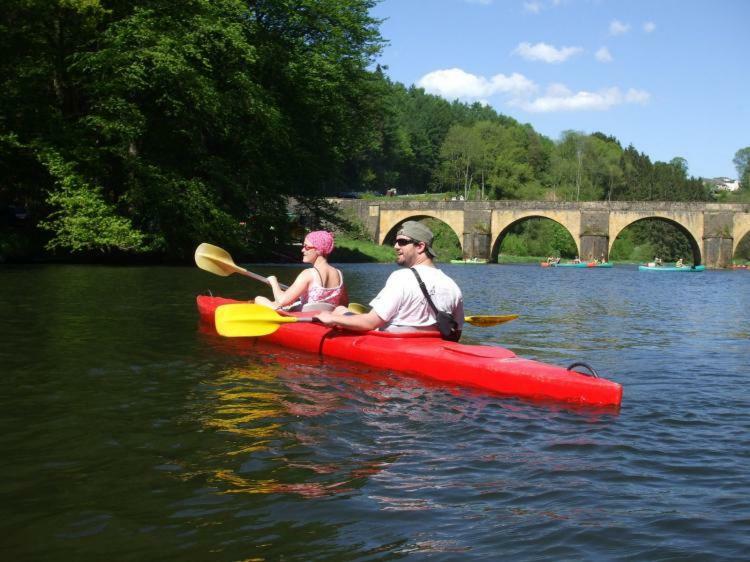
(317, 293)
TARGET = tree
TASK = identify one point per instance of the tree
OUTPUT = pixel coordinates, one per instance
(176, 121)
(742, 164)
(680, 164)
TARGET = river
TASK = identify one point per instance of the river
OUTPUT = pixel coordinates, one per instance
(129, 433)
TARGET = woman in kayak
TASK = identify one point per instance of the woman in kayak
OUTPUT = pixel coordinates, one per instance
(319, 288)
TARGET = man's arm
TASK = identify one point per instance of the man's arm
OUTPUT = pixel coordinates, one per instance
(357, 322)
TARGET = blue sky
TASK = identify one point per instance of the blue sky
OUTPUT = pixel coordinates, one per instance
(670, 77)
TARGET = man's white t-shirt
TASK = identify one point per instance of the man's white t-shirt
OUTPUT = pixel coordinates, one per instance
(402, 303)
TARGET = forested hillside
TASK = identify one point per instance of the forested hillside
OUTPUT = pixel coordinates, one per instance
(142, 128)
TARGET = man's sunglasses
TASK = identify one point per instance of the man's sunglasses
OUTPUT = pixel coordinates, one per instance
(405, 241)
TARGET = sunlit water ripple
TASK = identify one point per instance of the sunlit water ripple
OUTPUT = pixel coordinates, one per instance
(129, 433)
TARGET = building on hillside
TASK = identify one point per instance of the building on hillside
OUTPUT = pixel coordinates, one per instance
(722, 184)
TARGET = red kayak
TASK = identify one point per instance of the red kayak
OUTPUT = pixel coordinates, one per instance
(425, 354)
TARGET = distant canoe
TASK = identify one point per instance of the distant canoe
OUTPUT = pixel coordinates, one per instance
(472, 260)
(683, 269)
(582, 265)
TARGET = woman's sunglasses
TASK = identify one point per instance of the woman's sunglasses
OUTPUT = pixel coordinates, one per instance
(405, 241)
(308, 248)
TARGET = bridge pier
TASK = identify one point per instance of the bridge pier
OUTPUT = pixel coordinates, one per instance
(476, 245)
(718, 242)
(717, 251)
(594, 247)
(594, 236)
(477, 241)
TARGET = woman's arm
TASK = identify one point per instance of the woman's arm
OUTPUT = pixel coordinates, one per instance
(298, 288)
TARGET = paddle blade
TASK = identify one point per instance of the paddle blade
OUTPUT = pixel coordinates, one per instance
(215, 260)
(358, 308)
(486, 321)
(248, 320)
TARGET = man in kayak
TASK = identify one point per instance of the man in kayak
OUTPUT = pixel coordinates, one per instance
(401, 306)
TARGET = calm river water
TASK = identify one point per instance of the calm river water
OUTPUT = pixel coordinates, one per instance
(128, 433)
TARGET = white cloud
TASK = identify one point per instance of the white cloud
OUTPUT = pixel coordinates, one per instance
(453, 83)
(536, 6)
(616, 27)
(603, 55)
(637, 96)
(649, 26)
(519, 91)
(532, 7)
(546, 53)
(559, 98)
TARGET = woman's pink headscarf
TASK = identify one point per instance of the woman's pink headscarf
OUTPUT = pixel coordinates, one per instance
(322, 240)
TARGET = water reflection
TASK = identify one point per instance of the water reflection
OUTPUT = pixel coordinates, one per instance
(269, 447)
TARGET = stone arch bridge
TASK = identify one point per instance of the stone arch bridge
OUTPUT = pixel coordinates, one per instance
(713, 229)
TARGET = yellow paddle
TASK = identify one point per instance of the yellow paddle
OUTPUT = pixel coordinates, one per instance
(486, 321)
(254, 320)
(251, 320)
(218, 261)
(483, 321)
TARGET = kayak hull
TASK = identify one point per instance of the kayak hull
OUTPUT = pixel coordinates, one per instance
(424, 354)
(686, 269)
(582, 265)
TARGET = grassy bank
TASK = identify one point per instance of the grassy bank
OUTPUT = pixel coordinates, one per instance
(350, 250)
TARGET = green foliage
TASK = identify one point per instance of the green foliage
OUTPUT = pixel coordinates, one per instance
(743, 249)
(84, 221)
(741, 162)
(624, 247)
(355, 250)
(514, 245)
(446, 243)
(650, 238)
(181, 120)
(538, 237)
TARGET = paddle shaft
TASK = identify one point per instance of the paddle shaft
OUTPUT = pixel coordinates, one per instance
(258, 277)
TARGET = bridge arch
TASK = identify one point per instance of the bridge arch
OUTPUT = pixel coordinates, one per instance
(390, 221)
(741, 229)
(497, 240)
(504, 221)
(617, 228)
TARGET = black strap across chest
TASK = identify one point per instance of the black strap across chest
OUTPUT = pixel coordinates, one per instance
(424, 291)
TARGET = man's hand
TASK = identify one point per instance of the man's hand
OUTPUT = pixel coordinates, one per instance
(326, 318)
(356, 322)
